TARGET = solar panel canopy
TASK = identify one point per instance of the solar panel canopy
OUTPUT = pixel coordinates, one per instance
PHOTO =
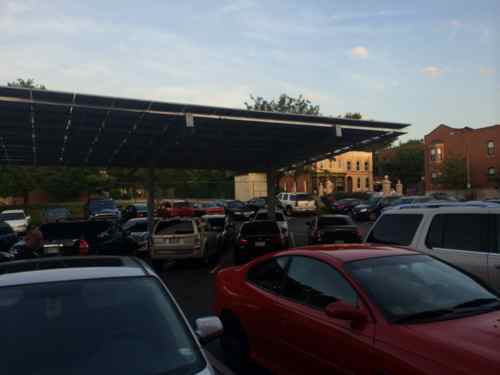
(49, 128)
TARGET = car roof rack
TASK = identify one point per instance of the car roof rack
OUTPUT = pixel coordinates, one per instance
(430, 205)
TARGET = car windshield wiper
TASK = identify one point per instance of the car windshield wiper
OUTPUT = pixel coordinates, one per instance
(423, 315)
(476, 303)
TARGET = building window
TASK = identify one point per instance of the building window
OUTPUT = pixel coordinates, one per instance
(491, 148)
(434, 175)
(368, 182)
(492, 172)
(357, 165)
(439, 154)
(436, 154)
(367, 166)
(349, 165)
(359, 183)
(433, 154)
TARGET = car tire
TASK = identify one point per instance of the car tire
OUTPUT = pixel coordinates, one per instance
(234, 342)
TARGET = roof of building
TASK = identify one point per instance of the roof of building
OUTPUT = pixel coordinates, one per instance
(49, 128)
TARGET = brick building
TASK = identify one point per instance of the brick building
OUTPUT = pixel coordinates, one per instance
(478, 147)
(349, 172)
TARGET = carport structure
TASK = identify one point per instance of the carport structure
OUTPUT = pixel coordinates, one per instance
(49, 128)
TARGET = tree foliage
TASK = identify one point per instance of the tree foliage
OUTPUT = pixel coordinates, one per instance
(26, 84)
(404, 162)
(285, 104)
(353, 115)
(453, 174)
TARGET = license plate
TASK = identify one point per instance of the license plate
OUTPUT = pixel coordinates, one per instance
(260, 243)
(174, 241)
(51, 250)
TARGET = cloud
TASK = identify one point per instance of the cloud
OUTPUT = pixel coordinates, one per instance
(359, 52)
(486, 71)
(432, 71)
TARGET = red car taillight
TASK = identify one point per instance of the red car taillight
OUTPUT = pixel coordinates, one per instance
(243, 242)
(83, 248)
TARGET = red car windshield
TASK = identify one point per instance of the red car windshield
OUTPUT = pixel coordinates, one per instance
(418, 286)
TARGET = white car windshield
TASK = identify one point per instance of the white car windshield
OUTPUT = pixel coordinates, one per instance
(106, 326)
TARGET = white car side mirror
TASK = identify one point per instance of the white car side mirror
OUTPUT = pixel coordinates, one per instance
(208, 329)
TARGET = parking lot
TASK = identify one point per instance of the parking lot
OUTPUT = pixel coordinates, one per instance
(193, 284)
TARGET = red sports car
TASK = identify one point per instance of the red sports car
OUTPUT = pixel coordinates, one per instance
(358, 309)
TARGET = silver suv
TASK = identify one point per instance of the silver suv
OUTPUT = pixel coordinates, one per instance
(95, 315)
(294, 203)
(466, 235)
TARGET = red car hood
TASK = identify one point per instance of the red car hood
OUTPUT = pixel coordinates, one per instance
(468, 345)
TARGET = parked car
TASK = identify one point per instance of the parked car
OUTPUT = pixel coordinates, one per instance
(86, 238)
(96, 315)
(133, 211)
(176, 208)
(357, 309)
(329, 229)
(214, 228)
(137, 229)
(55, 215)
(232, 227)
(210, 208)
(410, 200)
(257, 203)
(258, 238)
(180, 238)
(345, 206)
(280, 218)
(297, 203)
(238, 210)
(7, 236)
(372, 209)
(17, 219)
(461, 234)
(102, 209)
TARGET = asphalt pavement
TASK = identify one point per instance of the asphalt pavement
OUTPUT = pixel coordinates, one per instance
(192, 284)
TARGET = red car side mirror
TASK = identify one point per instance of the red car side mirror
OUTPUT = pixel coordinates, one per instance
(344, 311)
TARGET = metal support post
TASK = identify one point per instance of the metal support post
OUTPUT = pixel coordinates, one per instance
(151, 203)
(271, 194)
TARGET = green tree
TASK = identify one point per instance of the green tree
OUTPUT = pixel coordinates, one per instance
(285, 104)
(454, 174)
(353, 115)
(404, 162)
(18, 181)
(26, 84)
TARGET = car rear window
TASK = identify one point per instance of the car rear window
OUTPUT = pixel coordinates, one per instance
(175, 227)
(334, 221)
(395, 229)
(260, 227)
(301, 197)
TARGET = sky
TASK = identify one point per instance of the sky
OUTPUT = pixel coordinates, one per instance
(422, 62)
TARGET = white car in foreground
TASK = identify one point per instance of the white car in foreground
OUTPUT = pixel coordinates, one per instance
(96, 315)
(17, 219)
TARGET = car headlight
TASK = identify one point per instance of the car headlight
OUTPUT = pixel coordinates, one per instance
(364, 209)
